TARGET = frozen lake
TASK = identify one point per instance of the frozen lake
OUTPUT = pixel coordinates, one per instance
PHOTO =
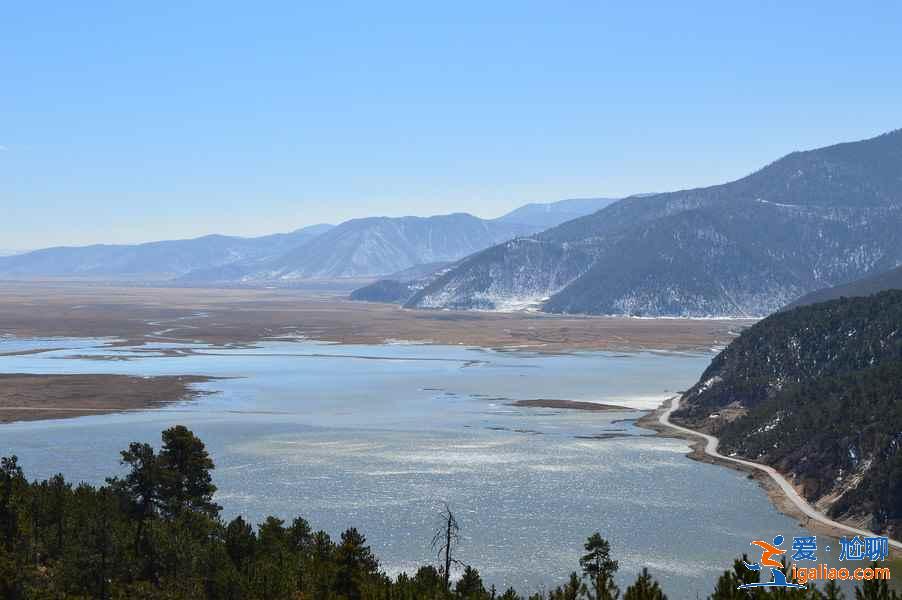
(378, 437)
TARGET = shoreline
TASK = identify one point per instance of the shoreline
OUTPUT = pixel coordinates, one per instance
(781, 492)
(120, 316)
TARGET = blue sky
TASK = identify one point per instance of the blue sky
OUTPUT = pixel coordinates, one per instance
(123, 123)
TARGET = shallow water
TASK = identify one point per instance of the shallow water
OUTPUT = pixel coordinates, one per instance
(378, 437)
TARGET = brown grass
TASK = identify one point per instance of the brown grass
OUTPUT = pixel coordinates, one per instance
(250, 315)
(33, 397)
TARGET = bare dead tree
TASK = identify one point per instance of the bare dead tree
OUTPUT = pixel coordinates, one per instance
(444, 542)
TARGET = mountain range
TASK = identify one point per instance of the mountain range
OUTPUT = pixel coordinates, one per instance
(383, 245)
(153, 260)
(807, 221)
(367, 247)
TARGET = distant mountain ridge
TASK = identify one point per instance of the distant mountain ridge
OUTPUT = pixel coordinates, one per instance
(153, 260)
(748, 247)
(359, 248)
(367, 247)
(382, 245)
(546, 215)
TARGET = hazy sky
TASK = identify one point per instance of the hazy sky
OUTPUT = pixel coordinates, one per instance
(122, 123)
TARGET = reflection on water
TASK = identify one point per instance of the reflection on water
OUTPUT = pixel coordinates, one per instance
(379, 436)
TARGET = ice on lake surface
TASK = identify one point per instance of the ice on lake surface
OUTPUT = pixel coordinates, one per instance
(378, 437)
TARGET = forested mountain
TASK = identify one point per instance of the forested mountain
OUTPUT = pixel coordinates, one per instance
(816, 392)
(886, 280)
(546, 215)
(809, 220)
(384, 290)
(153, 260)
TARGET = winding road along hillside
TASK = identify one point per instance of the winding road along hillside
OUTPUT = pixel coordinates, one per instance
(711, 444)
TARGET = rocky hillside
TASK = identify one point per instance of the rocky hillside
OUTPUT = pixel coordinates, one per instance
(816, 392)
(807, 221)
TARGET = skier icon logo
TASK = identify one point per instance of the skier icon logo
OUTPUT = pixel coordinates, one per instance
(768, 551)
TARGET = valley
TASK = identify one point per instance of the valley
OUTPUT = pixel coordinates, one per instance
(451, 301)
(140, 314)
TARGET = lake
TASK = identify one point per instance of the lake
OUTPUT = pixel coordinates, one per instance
(379, 437)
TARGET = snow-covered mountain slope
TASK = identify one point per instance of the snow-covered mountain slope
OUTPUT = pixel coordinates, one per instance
(809, 220)
(383, 245)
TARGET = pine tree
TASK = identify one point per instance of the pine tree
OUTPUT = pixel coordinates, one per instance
(322, 566)
(875, 589)
(570, 590)
(141, 488)
(469, 586)
(510, 594)
(187, 483)
(273, 573)
(599, 568)
(726, 587)
(831, 591)
(645, 588)
(356, 564)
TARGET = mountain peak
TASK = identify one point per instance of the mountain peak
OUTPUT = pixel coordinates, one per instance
(808, 220)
